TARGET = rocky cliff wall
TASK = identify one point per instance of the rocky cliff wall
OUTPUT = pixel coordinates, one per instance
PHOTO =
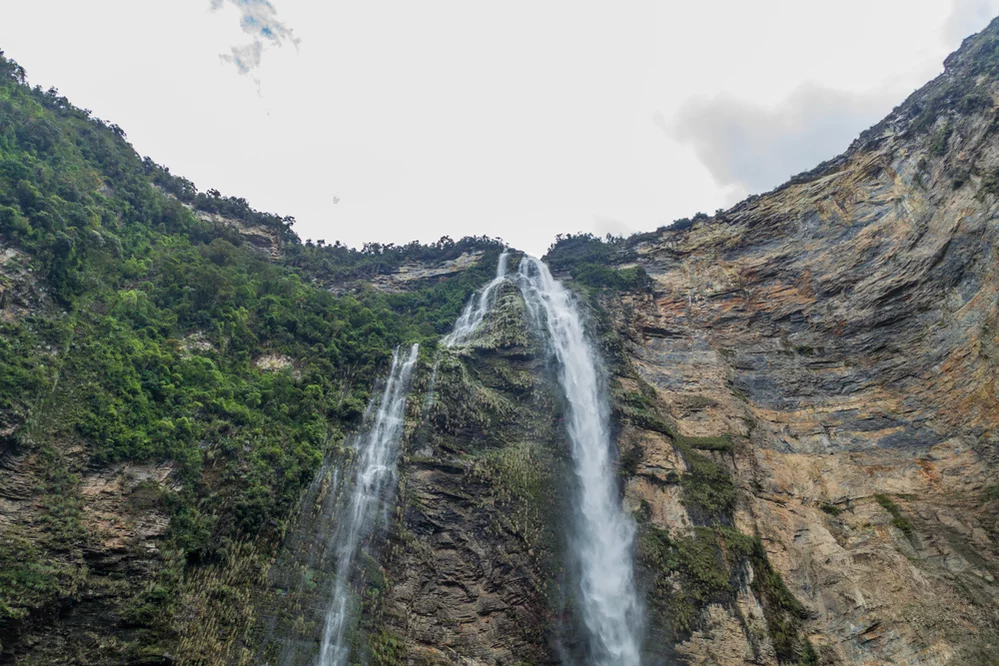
(840, 333)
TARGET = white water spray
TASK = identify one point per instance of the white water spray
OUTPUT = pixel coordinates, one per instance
(366, 509)
(477, 308)
(603, 535)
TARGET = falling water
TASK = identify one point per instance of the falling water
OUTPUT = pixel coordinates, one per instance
(477, 308)
(603, 535)
(367, 505)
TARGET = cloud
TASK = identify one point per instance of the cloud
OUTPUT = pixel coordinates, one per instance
(756, 148)
(752, 148)
(967, 17)
(258, 18)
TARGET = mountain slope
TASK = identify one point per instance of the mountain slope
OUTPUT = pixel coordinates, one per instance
(173, 368)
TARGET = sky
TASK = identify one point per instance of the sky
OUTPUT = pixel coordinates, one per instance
(389, 121)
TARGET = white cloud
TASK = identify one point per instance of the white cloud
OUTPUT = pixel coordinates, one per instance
(751, 147)
(967, 17)
(258, 18)
(756, 147)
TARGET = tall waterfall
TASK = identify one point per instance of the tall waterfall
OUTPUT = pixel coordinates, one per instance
(603, 535)
(477, 308)
(366, 506)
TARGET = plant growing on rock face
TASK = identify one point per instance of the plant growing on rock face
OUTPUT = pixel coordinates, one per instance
(989, 185)
(831, 509)
(709, 566)
(629, 460)
(27, 579)
(938, 142)
(708, 490)
(601, 277)
(590, 260)
(387, 649)
(898, 519)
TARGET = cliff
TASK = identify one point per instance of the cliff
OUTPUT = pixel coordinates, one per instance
(803, 393)
(840, 333)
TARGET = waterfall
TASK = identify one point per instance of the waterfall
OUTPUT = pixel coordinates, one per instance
(366, 506)
(602, 534)
(477, 308)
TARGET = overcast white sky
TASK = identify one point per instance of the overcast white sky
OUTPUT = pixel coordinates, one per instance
(512, 119)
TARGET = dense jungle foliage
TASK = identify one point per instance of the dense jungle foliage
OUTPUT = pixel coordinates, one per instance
(586, 258)
(132, 329)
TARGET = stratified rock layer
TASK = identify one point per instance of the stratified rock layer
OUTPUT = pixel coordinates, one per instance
(841, 332)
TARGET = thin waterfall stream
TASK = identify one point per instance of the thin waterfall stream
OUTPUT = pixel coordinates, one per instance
(602, 536)
(366, 506)
(479, 305)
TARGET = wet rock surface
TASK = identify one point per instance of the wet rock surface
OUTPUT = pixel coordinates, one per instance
(473, 559)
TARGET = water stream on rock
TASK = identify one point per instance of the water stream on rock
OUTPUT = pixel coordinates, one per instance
(477, 308)
(366, 506)
(602, 535)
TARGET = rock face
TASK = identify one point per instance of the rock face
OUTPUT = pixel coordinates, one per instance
(472, 559)
(407, 276)
(841, 332)
(108, 533)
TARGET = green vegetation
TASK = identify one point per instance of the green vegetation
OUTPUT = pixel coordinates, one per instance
(135, 324)
(698, 402)
(897, 518)
(709, 443)
(989, 185)
(571, 250)
(629, 460)
(938, 142)
(638, 408)
(387, 649)
(601, 277)
(681, 224)
(588, 260)
(696, 563)
(784, 613)
(708, 490)
(708, 566)
(26, 578)
(831, 509)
